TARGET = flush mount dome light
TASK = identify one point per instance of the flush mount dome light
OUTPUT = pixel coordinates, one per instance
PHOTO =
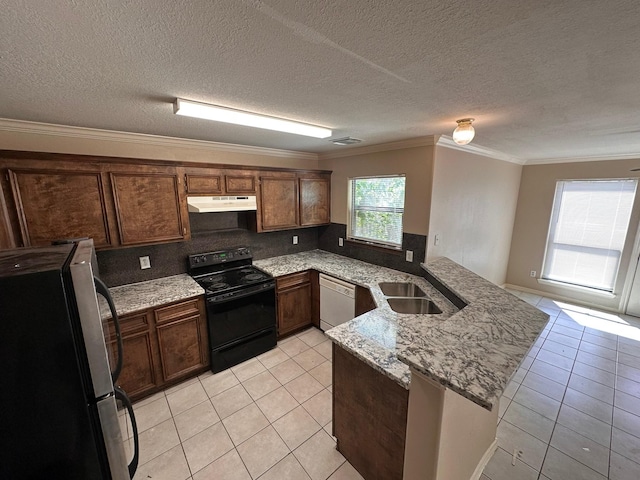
(464, 132)
(248, 119)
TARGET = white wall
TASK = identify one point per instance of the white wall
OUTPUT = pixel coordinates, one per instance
(415, 162)
(473, 205)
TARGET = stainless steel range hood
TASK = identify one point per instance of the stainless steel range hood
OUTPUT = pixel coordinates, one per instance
(222, 204)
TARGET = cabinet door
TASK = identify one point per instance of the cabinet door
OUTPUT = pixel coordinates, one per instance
(147, 207)
(60, 204)
(240, 184)
(315, 199)
(182, 339)
(278, 203)
(294, 303)
(204, 184)
(139, 374)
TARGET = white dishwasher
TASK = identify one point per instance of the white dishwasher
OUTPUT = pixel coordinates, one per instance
(337, 302)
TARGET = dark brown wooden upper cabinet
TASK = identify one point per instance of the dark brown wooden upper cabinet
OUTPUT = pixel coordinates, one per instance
(240, 184)
(315, 201)
(208, 181)
(278, 208)
(148, 207)
(204, 184)
(56, 204)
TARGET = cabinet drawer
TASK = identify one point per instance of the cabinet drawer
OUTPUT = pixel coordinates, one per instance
(129, 324)
(293, 279)
(211, 184)
(240, 184)
(175, 311)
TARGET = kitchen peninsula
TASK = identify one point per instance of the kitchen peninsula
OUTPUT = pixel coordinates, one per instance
(455, 365)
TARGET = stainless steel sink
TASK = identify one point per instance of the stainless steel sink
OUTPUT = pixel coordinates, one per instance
(401, 289)
(413, 305)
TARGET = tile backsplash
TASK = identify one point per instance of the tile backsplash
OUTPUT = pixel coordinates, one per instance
(228, 230)
(330, 234)
(121, 266)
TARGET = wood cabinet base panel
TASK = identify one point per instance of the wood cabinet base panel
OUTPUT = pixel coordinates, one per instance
(369, 417)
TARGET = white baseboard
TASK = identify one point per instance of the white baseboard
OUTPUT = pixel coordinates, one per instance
(484, 460)
(561, 298)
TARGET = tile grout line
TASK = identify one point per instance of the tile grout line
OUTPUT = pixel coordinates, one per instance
(544, 458)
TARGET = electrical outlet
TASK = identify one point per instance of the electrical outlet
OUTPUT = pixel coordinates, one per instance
(436, 239)
(145, 262)
(340, 242)
(295, 239)
(532, 273)
(409, 256)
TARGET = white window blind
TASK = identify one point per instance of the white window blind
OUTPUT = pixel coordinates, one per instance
(587, 231)
(376, 208)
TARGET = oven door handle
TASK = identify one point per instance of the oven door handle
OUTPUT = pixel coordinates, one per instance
(243, 293)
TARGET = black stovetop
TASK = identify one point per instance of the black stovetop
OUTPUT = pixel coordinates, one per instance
(224, 270)
(232, 278)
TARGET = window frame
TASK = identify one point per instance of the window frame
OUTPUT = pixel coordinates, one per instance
(351, 213)
(552, 228)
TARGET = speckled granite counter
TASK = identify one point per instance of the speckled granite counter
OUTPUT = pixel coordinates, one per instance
(476, 351)
(371, 337)
(473, 351)
(140, 296)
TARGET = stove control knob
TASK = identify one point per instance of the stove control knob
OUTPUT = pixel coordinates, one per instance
(203, 258)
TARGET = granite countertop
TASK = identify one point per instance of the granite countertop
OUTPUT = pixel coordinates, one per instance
(372, 336)
(143, 295)
(473, 351)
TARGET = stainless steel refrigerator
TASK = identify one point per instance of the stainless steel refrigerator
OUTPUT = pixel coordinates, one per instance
(58, 402)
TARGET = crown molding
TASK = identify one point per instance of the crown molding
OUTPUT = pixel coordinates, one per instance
(38, 128)
(591, 158)
(447, 142)
(381, 147)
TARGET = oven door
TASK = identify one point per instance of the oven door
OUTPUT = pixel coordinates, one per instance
(242, 315)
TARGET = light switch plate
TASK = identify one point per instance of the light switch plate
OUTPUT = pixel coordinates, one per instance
(145, 262)
(340, 242)
(295, 239)
(409, 256)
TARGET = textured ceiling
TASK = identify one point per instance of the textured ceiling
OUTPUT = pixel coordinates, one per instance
(544, 79)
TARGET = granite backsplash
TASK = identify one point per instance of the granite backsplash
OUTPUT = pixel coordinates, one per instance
(211, 232)
(330, 234)
(208, 233)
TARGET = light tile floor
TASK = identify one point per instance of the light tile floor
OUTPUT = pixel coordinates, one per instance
(571, 411)
(267, 418)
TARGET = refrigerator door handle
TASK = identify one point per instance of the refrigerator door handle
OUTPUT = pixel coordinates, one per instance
(103, 290)
(122, 396)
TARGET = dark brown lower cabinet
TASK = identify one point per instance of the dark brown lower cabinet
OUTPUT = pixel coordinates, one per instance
(139, 374)
(294, 304)
(369, 417)
(162, 346)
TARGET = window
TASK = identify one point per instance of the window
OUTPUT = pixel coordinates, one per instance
(376, 207)
(587, 231)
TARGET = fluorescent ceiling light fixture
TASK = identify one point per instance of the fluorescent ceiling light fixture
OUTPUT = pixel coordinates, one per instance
(239, 117)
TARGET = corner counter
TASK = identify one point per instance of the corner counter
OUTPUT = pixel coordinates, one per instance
(473, 351)
(371, 337)
(452, 367)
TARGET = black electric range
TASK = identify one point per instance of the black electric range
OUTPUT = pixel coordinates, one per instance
(240, 299)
